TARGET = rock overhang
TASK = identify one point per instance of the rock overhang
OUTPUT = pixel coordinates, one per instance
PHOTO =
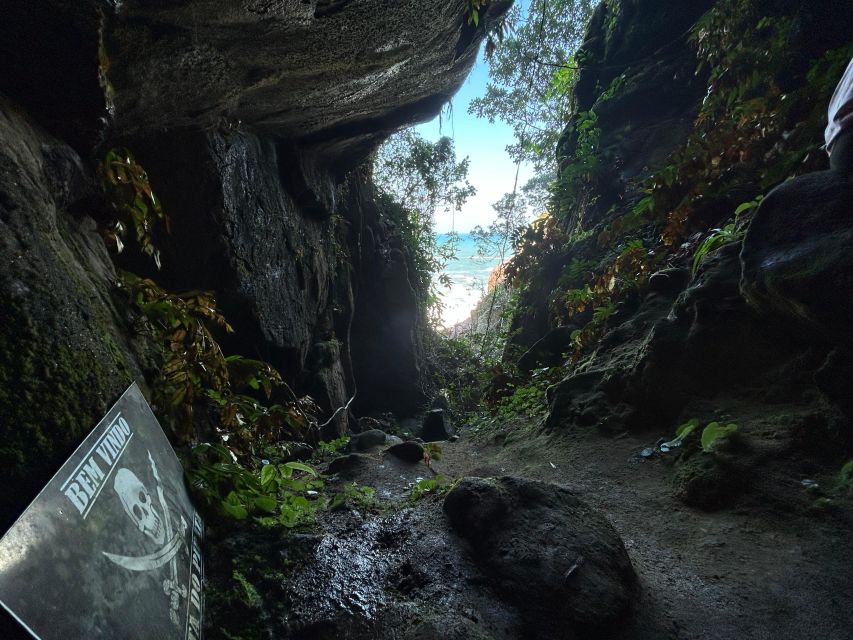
(331, 76)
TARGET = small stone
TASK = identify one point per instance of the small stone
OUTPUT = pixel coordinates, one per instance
(366, 440)
(409, 451)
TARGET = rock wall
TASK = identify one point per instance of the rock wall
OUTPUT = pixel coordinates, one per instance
(252, 120)
(756, 337)
(64, 348)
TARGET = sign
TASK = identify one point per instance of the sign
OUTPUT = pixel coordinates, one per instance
(111, 547)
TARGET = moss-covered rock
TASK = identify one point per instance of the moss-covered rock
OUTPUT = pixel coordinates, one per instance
(63, 360)
(709, 481)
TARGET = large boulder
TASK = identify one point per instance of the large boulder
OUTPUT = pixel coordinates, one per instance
(549, 554)
(796, 255)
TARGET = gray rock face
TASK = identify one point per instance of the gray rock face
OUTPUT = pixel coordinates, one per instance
(338, 75)
(322, 295)
(552, 556)
(63, 359)
(280, 273)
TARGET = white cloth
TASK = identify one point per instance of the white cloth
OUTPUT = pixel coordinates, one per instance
(840, 108)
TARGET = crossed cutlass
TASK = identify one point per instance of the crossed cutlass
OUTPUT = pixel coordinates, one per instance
(161, 556)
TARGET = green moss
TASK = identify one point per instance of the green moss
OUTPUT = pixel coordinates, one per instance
(53, 389)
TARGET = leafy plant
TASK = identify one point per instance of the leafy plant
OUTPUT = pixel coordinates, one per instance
(732, 232)
(474, 7)
(194, 370)
(354, 493)
(528, 399)
(284, 494)
(126, 187)
(333, 447)
(579, 170)
(248, 593)
(845, 477)
(432, 451)
(428, 486)
(713, 433)
(192, 359)
(681, 433)
(531, 75)
(417, 179)
(577, 270)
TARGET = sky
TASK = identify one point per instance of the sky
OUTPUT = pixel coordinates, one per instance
(491, 171)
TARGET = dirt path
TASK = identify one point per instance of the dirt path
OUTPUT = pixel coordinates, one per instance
(768, 568)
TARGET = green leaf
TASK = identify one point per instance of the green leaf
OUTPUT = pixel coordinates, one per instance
(232, 507)
(687, 428)
(299, 466)
(268, 474)
(338, 501)
(713, 433)
(681, 433)
(289, 517)
(265, 503)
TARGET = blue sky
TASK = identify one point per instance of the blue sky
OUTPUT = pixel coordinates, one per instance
(491, 170)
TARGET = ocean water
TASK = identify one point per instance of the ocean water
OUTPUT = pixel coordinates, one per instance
(469, 274)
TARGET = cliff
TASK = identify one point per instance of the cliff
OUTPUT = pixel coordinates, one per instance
(663, 284)
(253, 121)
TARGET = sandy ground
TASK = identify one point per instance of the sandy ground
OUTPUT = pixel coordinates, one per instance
(768, 567)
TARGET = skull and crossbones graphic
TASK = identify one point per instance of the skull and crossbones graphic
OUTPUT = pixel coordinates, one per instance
(145, 515)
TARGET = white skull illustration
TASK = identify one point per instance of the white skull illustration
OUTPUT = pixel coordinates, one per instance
(137, 504)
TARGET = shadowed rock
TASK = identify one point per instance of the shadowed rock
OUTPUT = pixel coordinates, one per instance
(796, 255)
(436, 426)
(551, 555)
(367, 440)
(409, 451)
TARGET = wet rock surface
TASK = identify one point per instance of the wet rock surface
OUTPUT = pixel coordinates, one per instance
(401, 575)
(423, 570)
(550, 554)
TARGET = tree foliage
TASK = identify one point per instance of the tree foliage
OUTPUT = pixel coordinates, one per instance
(531, 74)
(420, 179)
